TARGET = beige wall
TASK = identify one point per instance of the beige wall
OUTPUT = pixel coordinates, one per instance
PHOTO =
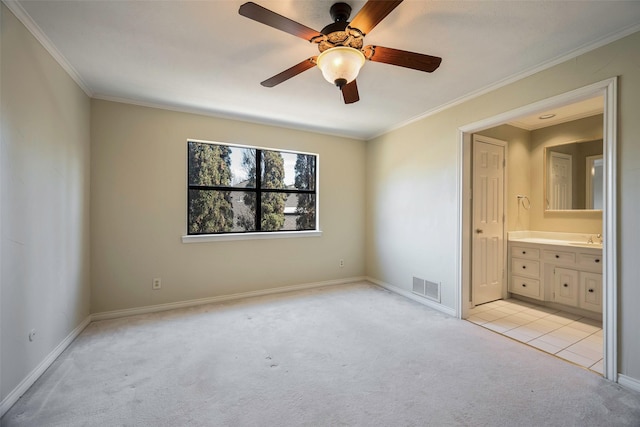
(138, 211)
(45, 203)
(412, 183)
(411, 205)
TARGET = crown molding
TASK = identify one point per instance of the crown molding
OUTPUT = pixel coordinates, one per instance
(226, 116)
(16, 8)
(603, 41)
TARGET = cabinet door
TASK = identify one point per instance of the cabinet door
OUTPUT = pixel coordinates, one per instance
(591, 291)
(565, 286)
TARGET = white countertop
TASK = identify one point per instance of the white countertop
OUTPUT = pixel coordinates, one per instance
(555, 238)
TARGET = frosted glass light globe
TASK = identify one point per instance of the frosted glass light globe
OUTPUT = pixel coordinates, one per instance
(340, 65)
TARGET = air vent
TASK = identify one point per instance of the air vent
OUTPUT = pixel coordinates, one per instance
(432, 290)
(427, 289)
(418, 286)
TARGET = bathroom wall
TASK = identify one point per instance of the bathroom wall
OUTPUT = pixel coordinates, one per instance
(518, 174)
(525, 175)
(587, 129)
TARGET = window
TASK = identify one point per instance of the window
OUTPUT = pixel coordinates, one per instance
(238, 189)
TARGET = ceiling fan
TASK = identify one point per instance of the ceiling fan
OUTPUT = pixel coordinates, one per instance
(341, 45)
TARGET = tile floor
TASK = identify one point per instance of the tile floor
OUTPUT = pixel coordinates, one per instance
(569, 336)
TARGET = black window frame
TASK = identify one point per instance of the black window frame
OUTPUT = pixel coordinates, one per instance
(257, 189)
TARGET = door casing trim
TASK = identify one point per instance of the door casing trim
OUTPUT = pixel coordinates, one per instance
(609, 89)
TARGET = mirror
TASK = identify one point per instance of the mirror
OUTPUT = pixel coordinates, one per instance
(573, 174)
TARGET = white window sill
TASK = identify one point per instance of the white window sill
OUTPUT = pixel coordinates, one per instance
(202, 238)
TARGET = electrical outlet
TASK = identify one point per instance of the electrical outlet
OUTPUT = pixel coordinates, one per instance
(341, 263)
(157, 284)
(32, 335)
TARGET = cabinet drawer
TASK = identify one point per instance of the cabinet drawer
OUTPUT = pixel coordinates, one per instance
(559, 256)
(590, 260)
(525, 267)
(525, 286)
(523, 252)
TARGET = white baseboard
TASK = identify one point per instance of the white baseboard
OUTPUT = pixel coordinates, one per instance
(628, 382)
(28, 381)
(24, 385)
(405, 293)
(194, 302)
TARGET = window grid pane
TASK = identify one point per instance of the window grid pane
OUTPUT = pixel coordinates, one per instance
(229, 192)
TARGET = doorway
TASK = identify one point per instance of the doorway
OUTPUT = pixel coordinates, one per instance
(607, 89)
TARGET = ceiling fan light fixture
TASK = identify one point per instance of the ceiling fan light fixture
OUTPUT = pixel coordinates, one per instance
(340, 65)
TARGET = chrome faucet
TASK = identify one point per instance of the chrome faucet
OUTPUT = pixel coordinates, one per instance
(598, 236)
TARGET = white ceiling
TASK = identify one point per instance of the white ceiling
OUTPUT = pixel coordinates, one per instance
(203, 56)
(562, 114)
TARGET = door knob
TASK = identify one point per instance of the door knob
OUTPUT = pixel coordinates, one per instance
(479, 230)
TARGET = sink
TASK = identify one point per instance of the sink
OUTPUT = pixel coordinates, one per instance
(586, 245)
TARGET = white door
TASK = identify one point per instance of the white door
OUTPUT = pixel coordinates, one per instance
(487, 252)
(560, 182)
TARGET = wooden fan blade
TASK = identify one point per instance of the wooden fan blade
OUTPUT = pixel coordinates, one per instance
(350, 93)
(290, 72)
(402, 58)
(279, 22)
(372, 13)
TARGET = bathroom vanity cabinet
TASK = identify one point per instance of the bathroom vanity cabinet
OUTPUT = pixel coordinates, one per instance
(564, 274)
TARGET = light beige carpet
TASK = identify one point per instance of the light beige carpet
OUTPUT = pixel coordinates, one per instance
(352, 355)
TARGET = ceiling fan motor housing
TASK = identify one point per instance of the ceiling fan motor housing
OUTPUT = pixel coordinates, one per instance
(339, 33)
(340, 12)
